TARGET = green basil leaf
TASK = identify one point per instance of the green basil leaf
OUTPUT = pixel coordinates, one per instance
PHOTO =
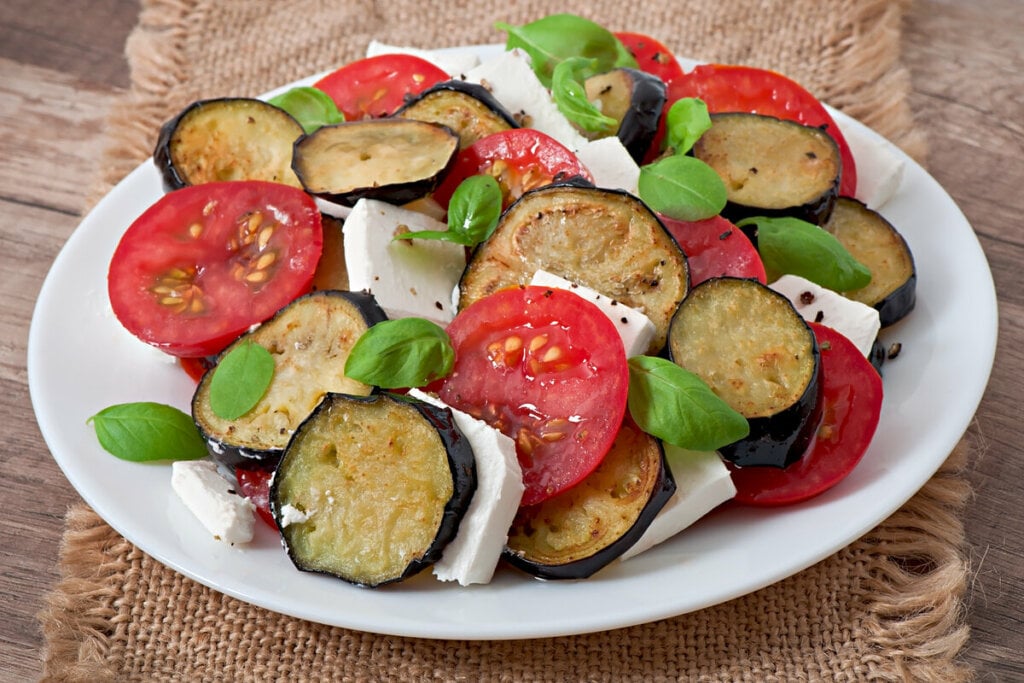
(682, 187)
(790, 245)
(676, 406)
(686, 121)
(473, 213)
(146, 431)
(240, 379)
(570, 96)
(557, 37)
(407, 352)
(311, 107)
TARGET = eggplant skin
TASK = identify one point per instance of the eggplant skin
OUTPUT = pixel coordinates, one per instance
(381, 483)
(310, 339)
(607, 240)
(636, 100)
(772, 167)
(873, 241)
(580, 531)
(394, 160)
(469, 109)
(229, 138)
(752, 348)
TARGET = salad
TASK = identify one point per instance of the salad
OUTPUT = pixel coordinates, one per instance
(547, 310)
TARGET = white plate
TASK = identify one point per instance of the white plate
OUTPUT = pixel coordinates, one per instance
(80, 360)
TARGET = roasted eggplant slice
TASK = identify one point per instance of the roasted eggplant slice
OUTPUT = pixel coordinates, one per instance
(371, 489)
(234, 138)
(469, 109)
(772, 167)
(633, 98)
(395, 160)
(873, 241)
(757, 354)
(606, 240)
(582, 529)
(310, 340)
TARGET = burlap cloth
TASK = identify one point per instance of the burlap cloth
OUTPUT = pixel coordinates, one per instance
(888, 607)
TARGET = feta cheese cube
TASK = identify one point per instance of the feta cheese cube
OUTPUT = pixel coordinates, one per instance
(210, 497)
(856, 321)
(409, 278)
(702, 484)
(635, 328)
(879, 169)
(472, 556)
(610, 164)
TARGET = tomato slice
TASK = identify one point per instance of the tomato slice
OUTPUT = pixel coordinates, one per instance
(652, 56)
(254, 484)
(730, 88)
(548, 369)
(715, 247)
(852, 396)
(520, 159)
(377, 86)
(206, 262)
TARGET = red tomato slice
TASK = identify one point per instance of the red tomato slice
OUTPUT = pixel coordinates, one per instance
(206, 262)
(520, 159)
(726, 88)
(547, 368)
(254, 484)
(652, 56)
(377, 86)
(852, 395)
(195, 367)
(715, 247)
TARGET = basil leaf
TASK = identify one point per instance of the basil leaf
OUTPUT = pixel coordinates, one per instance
(557, 37)
(311, 107)
(407, 352)
(143, 432)
(676, 406)
(240, 380)
(570, 96)
(682, 187)
(687, 119)
(473, 213)
(791, 245)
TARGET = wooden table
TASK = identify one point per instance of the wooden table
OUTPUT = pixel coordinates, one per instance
(62, 67)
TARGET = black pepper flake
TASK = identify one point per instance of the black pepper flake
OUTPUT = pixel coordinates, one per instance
(806, 298)
(548, 293)
(753, 170)
(811, 155)
(819, 316)
(438, 305)
(725, 235)
(624, 320)
(894, 350)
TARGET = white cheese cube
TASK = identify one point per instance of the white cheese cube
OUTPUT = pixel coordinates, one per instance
(511, 80)
(636, 329)
(610, 164)
(409, 278)
(210, 497)
(702, 484)
(472, 556)
(856, 321)
(879, 169)
(454, 62)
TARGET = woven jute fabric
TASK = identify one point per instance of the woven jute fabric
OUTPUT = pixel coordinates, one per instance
(888, 607)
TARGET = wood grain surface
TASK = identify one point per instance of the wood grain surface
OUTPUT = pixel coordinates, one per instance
(62, 69)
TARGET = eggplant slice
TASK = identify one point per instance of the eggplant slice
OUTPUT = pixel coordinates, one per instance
(310, 340)
(331, 272)
(873, 241)
(468, 109)
(754, 350)
(395, 160)
(772, 167)
(581, 530)
(371, 489)
(606, 240)
(232, 138)
(633, 98)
